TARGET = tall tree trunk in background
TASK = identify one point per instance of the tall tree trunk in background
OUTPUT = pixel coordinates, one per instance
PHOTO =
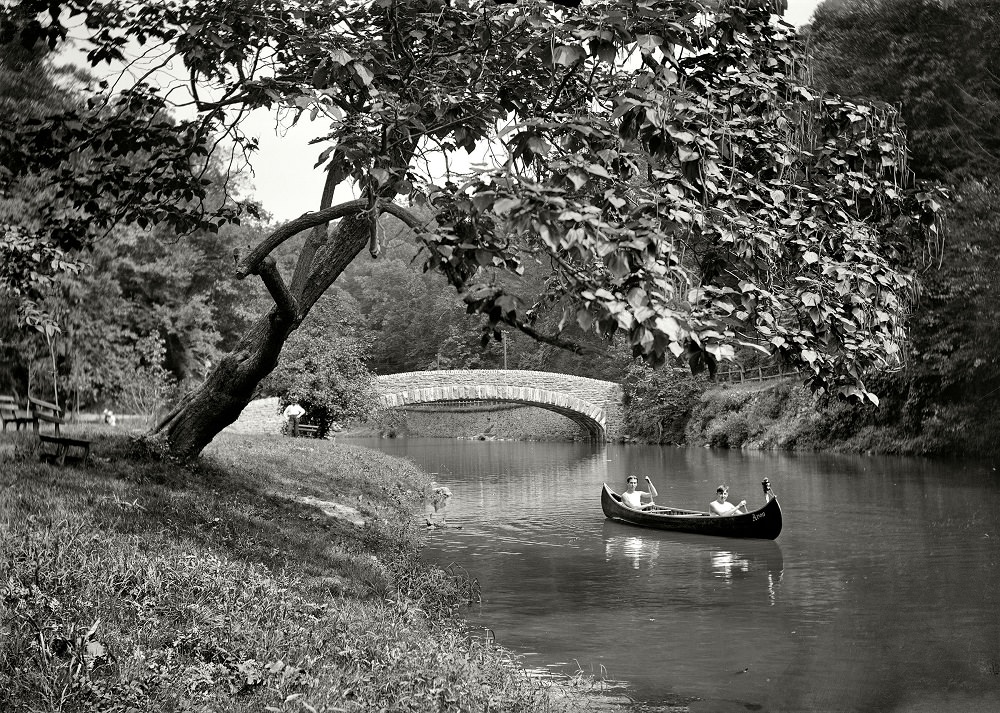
(203, 412)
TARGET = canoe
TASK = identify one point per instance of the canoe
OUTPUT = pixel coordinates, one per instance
(764, 524)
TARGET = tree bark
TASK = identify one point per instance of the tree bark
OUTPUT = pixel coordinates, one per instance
(203, 412)
(229, 387)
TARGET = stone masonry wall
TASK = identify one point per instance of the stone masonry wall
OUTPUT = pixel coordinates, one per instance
(260, 416)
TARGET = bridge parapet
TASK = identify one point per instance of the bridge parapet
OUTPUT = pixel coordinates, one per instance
(594, 404)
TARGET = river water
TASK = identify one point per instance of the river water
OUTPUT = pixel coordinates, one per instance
(882, 592)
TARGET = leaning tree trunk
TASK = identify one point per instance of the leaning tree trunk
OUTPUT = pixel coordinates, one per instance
(218, 401)
(203, 412)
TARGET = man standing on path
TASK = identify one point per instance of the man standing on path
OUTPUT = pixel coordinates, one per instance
(293, 412)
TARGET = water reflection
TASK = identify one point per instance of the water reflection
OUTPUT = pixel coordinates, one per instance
(640, 552)
(755, 567)
(763, 560)
(724, 562)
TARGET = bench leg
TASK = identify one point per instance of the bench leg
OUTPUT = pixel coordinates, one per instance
(84, 454)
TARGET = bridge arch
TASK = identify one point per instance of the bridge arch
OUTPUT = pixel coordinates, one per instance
(593, 404)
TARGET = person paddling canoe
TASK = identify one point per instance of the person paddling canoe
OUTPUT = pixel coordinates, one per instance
(719, 506)
(633, 498)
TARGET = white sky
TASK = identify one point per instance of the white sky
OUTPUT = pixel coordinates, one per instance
(286, 183)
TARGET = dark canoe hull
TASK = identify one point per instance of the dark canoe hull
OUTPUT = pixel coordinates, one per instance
(764, 524)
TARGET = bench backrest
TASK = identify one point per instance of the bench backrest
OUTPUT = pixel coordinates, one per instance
(8, 406)
(44, 407)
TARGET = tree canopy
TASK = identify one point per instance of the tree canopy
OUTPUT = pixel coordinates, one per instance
(664, 159)
(939, 62)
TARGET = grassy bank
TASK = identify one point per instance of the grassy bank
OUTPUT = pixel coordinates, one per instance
(271, 576)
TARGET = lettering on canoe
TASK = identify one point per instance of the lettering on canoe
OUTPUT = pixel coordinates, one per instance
(757, 516)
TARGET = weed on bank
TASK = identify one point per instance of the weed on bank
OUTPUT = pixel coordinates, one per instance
(269, 576)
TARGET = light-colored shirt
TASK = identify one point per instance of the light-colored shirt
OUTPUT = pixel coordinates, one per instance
(633, 500)
(294, 411)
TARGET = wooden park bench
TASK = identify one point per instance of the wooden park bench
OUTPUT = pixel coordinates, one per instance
(9, 413)
(55, 448)
(307, 431)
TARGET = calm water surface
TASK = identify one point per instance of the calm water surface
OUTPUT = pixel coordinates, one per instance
(881, 594)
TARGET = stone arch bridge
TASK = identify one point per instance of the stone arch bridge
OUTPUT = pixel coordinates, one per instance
(595, 405)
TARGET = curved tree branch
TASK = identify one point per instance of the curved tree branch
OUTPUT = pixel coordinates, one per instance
(412, 220)
(557, 341)
(251, 262)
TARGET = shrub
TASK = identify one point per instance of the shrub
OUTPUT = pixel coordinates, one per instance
(659, 404)
(730, 430)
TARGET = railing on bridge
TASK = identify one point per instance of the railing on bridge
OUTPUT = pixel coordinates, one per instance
(734, 373)
(463, 403)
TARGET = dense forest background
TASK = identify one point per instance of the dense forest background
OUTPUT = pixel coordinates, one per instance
(146, 313)
(940, 64)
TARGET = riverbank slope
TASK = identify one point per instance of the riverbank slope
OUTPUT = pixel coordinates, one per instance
(672, 406)
(785, 415)
(274, 574)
